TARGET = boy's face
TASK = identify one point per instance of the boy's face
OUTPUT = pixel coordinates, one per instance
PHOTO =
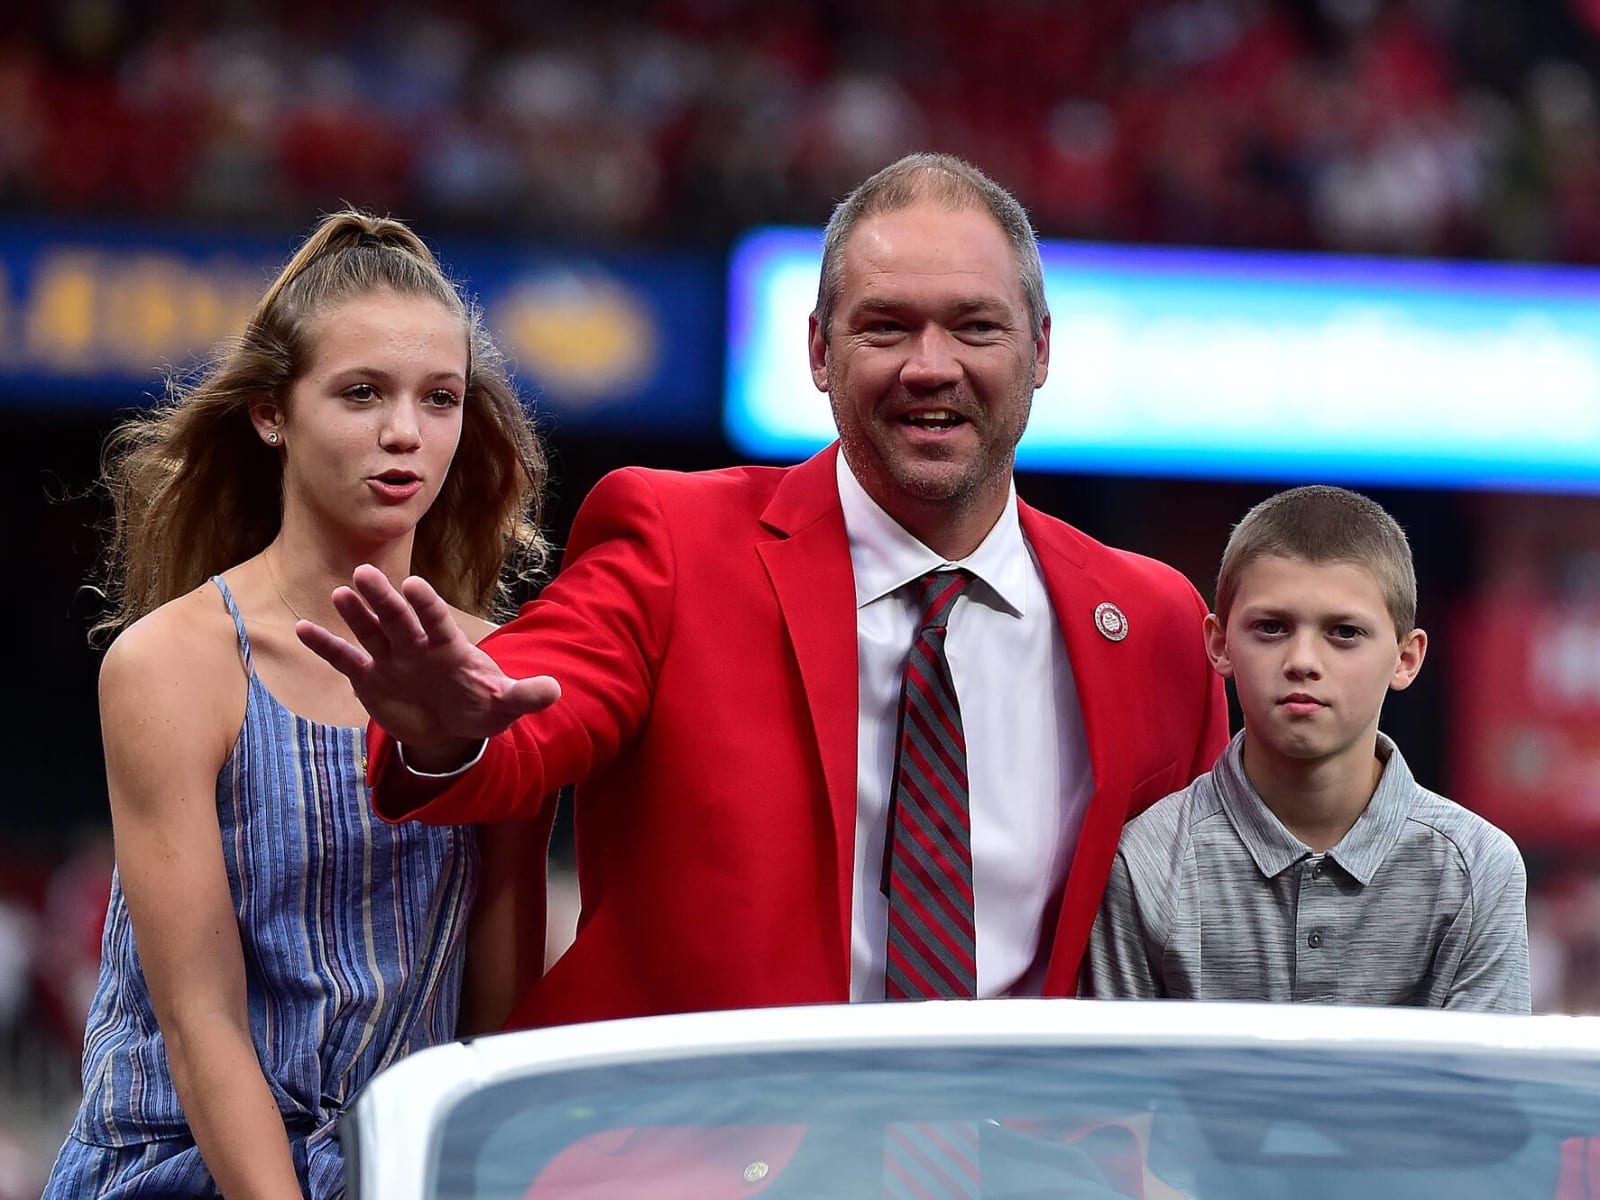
(1312, 651)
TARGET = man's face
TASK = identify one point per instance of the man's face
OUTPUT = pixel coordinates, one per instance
(931, 366)
(1312, 652)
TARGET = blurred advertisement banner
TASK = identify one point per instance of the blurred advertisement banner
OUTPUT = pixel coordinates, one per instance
(1251, 365)
(99, 318)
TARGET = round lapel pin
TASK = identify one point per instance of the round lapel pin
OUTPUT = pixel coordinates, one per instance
(1108, 619)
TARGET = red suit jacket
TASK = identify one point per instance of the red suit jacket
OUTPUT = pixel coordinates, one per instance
(703, 632)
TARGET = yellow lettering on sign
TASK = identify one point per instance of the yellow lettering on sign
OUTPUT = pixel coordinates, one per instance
(217, 302)
(59, 328)
(142, 317)
(227, 297)
(135, 314)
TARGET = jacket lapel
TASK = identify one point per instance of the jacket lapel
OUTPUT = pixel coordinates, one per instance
(808, 562)
(1105, 691)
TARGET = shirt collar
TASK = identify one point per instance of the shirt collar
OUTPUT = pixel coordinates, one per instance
(1274, 849)
(1367, 843)
(885, 557)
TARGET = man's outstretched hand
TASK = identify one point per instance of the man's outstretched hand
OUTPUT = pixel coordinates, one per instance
(418, 675)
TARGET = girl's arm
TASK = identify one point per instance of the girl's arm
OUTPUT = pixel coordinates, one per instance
(165, 703)
(506, 939)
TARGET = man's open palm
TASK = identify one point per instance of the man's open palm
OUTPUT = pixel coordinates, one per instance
(415, 672)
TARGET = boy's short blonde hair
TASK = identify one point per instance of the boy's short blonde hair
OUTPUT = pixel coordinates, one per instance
(1322, 524)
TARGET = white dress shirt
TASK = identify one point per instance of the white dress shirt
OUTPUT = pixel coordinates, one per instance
(1029, 778)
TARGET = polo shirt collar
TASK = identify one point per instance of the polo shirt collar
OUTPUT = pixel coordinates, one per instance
(1274, 849)
(1361, 851)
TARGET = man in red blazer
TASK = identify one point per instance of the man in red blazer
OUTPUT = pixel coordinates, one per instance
(717, 664)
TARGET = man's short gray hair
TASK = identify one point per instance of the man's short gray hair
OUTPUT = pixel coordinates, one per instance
(947, 180)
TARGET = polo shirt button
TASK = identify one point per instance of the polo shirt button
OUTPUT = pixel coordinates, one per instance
(1314, 938)
(1316, 871)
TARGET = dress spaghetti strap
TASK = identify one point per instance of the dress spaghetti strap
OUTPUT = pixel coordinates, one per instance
(238, 621)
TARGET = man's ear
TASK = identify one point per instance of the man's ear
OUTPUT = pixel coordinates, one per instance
(1216, 635)
(1041, 354)
(817, 344)
(1413, 649)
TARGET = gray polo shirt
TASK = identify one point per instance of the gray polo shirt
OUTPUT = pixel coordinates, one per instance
(1421, 903)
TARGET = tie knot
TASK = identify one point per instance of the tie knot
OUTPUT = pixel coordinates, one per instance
(939, 592)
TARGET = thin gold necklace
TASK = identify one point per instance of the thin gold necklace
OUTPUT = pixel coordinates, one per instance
(272, 577)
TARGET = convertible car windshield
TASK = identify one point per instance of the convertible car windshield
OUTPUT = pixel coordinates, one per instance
(1302, 1117)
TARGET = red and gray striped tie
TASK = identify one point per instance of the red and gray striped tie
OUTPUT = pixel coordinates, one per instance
(932, 944)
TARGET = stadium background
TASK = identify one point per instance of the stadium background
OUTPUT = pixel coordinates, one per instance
(586, 169)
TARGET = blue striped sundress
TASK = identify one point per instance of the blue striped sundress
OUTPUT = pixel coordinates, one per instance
(353, 933)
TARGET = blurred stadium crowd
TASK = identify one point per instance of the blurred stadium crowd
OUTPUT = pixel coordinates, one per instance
(1419, 127)
(1463, 127)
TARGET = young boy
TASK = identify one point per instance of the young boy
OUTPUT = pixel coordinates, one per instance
(1308, 864)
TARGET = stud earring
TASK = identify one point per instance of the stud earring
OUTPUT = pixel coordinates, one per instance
(272, 438)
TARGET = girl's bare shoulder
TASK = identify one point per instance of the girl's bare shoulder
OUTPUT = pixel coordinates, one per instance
(188, 643)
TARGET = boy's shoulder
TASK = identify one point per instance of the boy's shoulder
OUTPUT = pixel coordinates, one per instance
(1485, 851)
(1480, 842)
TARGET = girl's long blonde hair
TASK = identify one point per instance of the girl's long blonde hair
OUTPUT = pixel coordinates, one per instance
(195, 491)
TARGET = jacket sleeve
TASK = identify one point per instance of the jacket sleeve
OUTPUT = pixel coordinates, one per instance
(600, 628)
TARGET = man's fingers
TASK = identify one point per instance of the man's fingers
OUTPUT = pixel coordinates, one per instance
(394, 612)
(332, 648)
(364, 626)
(533, 694)
(432, 613)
